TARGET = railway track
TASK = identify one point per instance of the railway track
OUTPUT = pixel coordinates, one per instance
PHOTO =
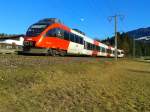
(46, 60)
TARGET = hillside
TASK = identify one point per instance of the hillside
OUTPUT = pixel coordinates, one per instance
(73, 84)
(142, 32)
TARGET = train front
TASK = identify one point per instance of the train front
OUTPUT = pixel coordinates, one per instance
(33, 37)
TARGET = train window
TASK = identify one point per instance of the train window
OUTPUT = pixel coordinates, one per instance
(97, 48)
(76, 39)
(59, 33)
(51, 33)
(36, 29)
(81, 40)
(113, 52)
(66, 35)
(109, 51)
(118, 53)
(92, 46)
(88, 46)
(103, 50)
(100, 49)
(55, 33)
(85, 45)
(72, 38)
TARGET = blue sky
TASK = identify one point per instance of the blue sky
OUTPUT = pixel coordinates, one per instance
(17, 15)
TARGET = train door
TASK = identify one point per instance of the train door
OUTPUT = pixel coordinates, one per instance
(73, 47)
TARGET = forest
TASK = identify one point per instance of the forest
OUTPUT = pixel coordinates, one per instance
(130, 45)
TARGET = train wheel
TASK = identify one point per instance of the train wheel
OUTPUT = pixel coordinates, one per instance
(48, 52)
(51, 52)
(62, 53)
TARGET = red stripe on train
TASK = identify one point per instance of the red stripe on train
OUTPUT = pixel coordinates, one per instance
(96, 43)
(95, 53)
(55, 43)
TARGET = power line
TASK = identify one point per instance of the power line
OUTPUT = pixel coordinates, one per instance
(115, 17)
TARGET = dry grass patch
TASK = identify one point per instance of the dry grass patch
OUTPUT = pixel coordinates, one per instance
(46, 84)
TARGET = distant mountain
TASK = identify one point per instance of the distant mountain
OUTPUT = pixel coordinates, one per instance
(142, 32)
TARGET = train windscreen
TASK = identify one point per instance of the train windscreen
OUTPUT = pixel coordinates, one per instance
(36, 30)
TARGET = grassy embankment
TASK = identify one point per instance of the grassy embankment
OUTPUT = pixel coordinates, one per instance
(46, 84)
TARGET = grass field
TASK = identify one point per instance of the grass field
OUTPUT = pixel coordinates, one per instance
(73, 84)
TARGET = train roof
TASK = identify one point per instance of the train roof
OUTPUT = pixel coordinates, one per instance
(50, 20)
(79, 31)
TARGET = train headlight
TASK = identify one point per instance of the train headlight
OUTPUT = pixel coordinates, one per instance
(25, 43)
(29, 43)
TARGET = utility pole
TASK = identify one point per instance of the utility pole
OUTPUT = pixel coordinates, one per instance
(116, 43)
(115, 17)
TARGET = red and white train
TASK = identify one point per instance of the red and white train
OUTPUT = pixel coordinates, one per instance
(51, 37)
